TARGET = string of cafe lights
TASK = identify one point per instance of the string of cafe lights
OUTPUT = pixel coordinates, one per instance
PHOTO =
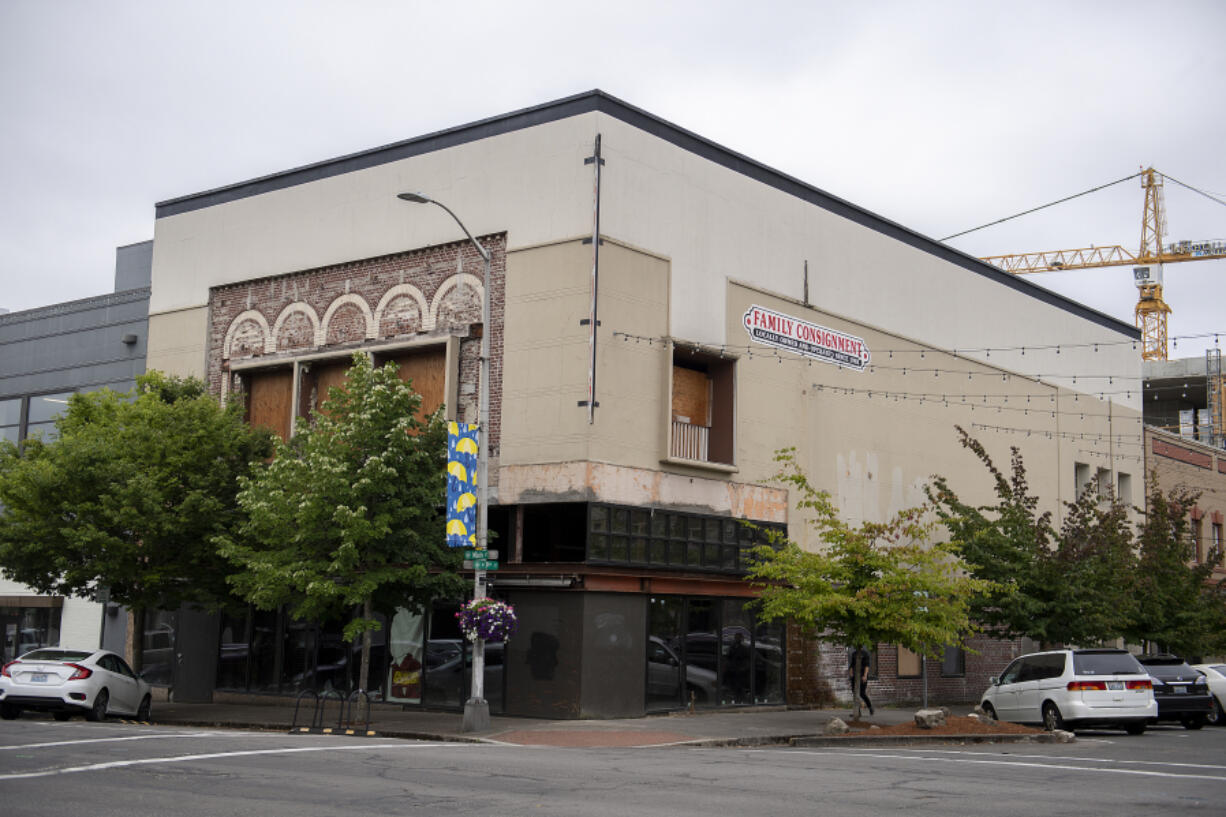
(986, 351)
(751, 352)
(977, 401)
(1123, 438)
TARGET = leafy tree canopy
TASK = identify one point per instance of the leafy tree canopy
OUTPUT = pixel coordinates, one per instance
(130, 495)
(1093, 581)
(348, 513)
(1174, 608)
(876, 582)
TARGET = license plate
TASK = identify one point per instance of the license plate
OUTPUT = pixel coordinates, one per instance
(38, 678)
(1115, 685)
(1181, 690)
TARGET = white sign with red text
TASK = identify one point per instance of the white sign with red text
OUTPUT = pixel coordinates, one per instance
(772, 328)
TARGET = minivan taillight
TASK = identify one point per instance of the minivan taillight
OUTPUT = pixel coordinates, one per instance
(1087, 686)
(1146, 684)
(5, 669)
(81, 672)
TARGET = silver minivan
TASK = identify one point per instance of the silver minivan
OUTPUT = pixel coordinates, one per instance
(1066, 689)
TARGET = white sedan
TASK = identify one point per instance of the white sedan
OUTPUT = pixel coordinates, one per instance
(64, 682)
(1215, 674)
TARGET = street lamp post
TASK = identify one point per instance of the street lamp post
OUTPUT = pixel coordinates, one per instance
(476, 708)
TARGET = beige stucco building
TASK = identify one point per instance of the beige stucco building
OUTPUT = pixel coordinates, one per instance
(642, 382)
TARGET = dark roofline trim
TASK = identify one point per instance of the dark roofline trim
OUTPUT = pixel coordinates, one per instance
(601, 102)
(123, 296)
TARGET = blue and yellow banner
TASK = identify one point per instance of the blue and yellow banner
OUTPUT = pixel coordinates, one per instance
(461, 485)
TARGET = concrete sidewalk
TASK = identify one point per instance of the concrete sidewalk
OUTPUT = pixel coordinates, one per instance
(739, 727)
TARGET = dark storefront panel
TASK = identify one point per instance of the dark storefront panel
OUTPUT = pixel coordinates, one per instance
(613, 626)
(543, 659)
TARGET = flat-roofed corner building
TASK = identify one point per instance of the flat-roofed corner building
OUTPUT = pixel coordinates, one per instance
(47, 354)
(641, 384)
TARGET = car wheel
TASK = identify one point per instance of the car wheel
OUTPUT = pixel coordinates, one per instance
(1194, 722)
(61, 716)
(1135, 728)
(145, 711)
(98, 712)
(1217, 716)
(989, 711)
(1052, 719)
(9, 712)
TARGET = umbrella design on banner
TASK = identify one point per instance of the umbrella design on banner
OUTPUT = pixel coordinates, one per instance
(461, 485)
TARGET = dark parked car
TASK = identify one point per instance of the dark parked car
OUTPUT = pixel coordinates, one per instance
(1181, 691)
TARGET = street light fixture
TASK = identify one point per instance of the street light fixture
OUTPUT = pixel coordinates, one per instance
(476, 708)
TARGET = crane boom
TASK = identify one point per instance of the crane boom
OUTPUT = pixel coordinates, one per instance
(1152, 310)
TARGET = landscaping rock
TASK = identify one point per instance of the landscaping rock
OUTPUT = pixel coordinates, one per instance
(1057, 736)
(836, 727)
(930, 718)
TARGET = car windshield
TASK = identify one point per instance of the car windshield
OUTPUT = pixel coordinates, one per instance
(1105, 663)
(56, 655)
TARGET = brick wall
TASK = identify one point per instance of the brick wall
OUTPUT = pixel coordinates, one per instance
(429, 291)
(817, 673)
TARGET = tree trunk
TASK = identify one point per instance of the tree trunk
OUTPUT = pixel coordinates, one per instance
(134, 643)
(855, 685)
(364, 672)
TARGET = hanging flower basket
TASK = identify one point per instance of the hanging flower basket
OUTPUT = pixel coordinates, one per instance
(487, 620)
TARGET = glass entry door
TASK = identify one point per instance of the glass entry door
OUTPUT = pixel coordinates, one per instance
(664, 688)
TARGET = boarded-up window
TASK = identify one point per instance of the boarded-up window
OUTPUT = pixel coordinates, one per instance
(691, 396)
(268, 400)
(703, 407)
(909, 665)
(426, 369)
(317, 379)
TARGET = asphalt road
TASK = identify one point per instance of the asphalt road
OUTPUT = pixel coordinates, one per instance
(127, 769)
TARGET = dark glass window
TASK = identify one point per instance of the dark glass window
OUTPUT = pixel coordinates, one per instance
(658, 537)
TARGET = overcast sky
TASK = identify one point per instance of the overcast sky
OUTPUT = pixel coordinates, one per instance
(938, 115)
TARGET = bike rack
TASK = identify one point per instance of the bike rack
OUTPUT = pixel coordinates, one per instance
(345, 722)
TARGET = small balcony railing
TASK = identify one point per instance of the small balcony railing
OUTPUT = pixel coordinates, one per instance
(690, 442)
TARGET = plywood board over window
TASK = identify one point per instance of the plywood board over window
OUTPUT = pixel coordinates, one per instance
(426, 369)
(909, 663)
(691, 396)
(317, 379)
(268, 398)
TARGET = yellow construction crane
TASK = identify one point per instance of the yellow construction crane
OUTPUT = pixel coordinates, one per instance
(1152, 311)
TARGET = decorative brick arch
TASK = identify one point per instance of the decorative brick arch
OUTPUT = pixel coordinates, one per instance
(338, 304)
(448, 296)
(248, 325)
(297, 308)
(396, 307)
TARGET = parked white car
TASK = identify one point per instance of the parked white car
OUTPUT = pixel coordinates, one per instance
(1215, 675)
(1066, 689)
(64, 682)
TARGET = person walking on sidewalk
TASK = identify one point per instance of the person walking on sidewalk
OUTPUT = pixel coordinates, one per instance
(859, 657)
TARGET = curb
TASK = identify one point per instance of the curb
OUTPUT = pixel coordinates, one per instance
(859, 742)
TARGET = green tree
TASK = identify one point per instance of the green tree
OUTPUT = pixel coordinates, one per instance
(1002, 543)
(129, 496)
(876, 582)
(348, 514)
(1088, 578)
(1071, 586)
(1175, 609)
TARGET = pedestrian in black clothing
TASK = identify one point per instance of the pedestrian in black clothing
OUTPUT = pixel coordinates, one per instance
(864, 660)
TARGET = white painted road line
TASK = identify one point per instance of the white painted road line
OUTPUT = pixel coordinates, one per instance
(148, 761)
(1020, 764)
(1084, 759)
(84, 741)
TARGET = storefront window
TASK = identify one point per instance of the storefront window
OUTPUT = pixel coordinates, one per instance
(26, 628)
(158, 659)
